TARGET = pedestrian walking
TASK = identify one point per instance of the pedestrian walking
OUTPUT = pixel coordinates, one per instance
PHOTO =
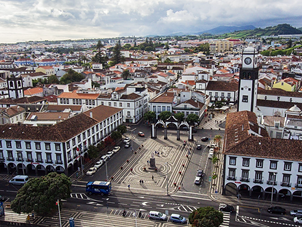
(128, 186)
(152, 177)
(142, 181)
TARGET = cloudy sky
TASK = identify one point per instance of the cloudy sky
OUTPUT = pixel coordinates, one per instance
(25, 20)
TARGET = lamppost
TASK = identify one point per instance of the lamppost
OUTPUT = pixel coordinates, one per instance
(272, 196)
(58, 204)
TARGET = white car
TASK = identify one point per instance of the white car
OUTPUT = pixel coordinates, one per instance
(126, 140)
(110, 153)
(116, 149)
(104, 158)
(99, 163)
(91, 171)
(298, 220)
(212, 145)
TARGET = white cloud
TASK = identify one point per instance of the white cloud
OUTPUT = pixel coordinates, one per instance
(107, 18)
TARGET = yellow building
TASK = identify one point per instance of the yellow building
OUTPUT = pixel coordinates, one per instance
(48, 70)
(221, 46)
(284, 85)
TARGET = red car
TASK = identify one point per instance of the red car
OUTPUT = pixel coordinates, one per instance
(141, 134)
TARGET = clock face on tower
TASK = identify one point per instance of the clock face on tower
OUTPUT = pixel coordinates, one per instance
(247, 60)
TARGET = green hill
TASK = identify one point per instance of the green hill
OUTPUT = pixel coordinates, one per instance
(280, 29)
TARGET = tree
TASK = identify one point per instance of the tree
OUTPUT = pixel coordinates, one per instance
(117, 55)
(93, 151)
(125, 74)
(218, 138)
(206, 216)
(53, 79)
(71, 76)
(179, 116)
(167, 46)
(164, 115)
(122, 129)
(40, 194)
(116, 135)
(150, 116)
(167, 60)
(192, 118)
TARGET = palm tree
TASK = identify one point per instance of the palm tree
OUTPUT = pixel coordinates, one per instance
(217, 139)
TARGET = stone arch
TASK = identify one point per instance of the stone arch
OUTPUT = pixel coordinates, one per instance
(174, 124)
(284, 194)
(11, 168)
(31, 169)
(268, 193)
(60, 169)
(20, 169)
(49, 169)
(184, 123)
(70, 169)
(297, 196)
(3, 168)
(40, 170)
(160, 122)
(257, 191)
(231, 189)
(244, 190)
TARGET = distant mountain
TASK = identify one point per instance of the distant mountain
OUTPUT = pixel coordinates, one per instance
(299, 29)
(280, 29)
(227, 29)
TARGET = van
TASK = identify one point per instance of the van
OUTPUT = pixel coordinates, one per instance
(19, 180)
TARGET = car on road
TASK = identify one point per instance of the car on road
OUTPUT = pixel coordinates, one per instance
(99, 163)
(204, 139)
(127, 145)
(104, 158)
(141, 134)
(197, 180)
(110, 153)
(126, 140)
(198, 147)
(116, 149)
(157, 216)
(296, 213)
(212, 145)
(200, 173)
(276, 210)
(298, 220)
(91, 171)
(178, 219)
(226, 208)
(211, 153)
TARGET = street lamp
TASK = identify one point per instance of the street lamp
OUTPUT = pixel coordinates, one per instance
(273, 177)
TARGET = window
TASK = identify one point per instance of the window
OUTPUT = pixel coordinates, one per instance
(8, 144)
(88, 131)
(232, 161)
(273, 165)
(245, 175)
(47, 146)
(19, 157)
(287, 166)
(1, 155)
(128, 104)
(258, 177)
(69, 156)
(232, 174)
(259, 163)
(59, 159)
(58, 146)
(272, 178)
(115, 104)
(39, 157)
(128, 113)
(48, 158)
(286, 180)
(229, 95)
(163, 108)
(38, 145)
(27, 144)
(154, 109)
(300, 167)
(246, 162)
(92, 129)
(10, 156)
(121, 104)
(210, 94)
(79, 138)
(84, 135)
(18, 144)
(159, 109)
(0, 143)
(73, 142)
(68, 144)
(299, 181)
(185, 106)
(245, 98)
(168, 108)
(216, 94)
(29, 157)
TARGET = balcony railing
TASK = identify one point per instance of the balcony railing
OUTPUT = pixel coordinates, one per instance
(39, 160)
(271, 182)
(258, 181)
(48, 161)
(298, 185)
(231, 178)
(244, 179)
(286, 184)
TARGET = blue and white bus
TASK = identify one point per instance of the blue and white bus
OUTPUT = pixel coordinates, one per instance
(98, 187)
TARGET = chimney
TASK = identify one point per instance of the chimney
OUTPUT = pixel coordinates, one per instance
(91, 114)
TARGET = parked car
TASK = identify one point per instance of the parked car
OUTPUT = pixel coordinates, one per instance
(211, 153)
(226, 208)
(197, 180)
(198, 147)
(99, 163)
(200, 173)
(157, 215)
(141, 134)
(298, 220)
(276, 210)
(204, 139)
(127, 145)
(212, 145)
(116, 149)
(126, 140)
(19, 180)
(104, 158)
(110, 153)
(296, 213)
(178, 218)
(91, 171)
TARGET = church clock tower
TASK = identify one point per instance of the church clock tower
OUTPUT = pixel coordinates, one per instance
(248, 81)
